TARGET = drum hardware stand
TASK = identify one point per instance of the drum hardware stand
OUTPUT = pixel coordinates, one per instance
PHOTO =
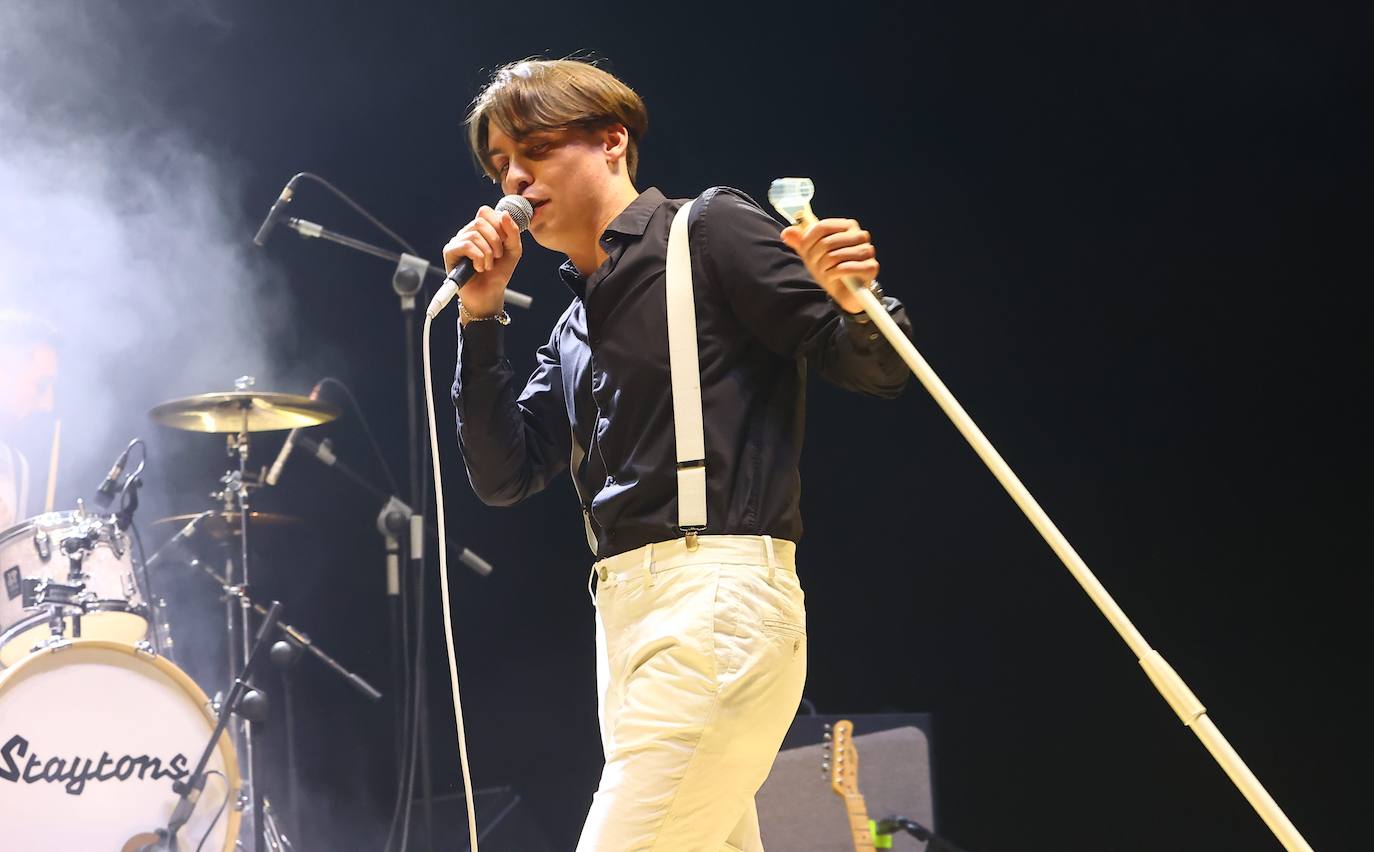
(189, 790)
(284, 655)
(297, 637)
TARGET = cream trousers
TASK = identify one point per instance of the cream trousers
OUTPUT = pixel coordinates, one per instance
(701, 657)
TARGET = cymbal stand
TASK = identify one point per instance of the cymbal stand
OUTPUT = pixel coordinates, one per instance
(249, 799)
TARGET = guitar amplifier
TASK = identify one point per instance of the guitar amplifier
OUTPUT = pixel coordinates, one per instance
(798, 810)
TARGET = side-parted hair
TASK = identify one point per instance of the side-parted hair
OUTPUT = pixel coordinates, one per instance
(536, 95)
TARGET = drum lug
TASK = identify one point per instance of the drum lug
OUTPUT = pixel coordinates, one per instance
(42, 544)
(146, 648)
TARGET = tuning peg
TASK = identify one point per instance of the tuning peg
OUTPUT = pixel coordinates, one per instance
(825, 767)
(827, 726)
(826, 737)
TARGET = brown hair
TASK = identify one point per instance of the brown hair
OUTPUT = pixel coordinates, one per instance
(535, 95)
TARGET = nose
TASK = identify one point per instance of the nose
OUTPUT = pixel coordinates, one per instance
(516, 180)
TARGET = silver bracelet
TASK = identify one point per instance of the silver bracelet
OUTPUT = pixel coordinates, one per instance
(502, 318)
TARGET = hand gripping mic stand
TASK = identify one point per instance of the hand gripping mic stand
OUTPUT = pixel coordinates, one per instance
(791, 197)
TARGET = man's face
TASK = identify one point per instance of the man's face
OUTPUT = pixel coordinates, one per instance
(562, 173)
(27, 374)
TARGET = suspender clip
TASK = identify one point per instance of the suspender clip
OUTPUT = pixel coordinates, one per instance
(691, 535)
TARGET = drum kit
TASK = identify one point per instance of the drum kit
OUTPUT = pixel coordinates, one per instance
(155, 763)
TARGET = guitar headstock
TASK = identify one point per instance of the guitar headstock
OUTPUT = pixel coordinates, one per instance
(791, 197)
(842, 759)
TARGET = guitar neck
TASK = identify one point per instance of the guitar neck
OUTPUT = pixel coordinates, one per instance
(858, 822)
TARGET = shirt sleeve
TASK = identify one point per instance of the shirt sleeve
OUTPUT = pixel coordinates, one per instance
(770, 290)
(512, 446)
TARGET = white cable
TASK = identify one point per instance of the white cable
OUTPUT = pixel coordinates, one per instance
(443, 589)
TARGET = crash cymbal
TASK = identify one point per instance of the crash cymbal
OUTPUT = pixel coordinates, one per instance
(223, 525)
(226, 412)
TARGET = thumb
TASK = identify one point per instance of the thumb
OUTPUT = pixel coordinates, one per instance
(791, 236)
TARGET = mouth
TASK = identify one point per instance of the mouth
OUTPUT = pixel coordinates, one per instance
(537, 205)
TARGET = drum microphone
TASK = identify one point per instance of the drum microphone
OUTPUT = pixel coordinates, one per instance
(278, 209)
(274, 473)
(104, 495)
(520, 211)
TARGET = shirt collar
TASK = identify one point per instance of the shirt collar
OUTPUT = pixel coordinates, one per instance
(631, 222)
(634, 219)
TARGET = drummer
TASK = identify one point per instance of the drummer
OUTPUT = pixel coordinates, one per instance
(28, 370)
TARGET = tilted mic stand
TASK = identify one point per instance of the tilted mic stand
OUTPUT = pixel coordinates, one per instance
(195, 782)
(792, 198)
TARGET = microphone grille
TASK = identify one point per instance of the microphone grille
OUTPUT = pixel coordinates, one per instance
(519, 209)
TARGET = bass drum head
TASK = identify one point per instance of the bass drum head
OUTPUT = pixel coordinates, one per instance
(116, 625)
(92, 736)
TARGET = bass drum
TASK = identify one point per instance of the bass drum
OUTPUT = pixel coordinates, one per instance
(92, 736)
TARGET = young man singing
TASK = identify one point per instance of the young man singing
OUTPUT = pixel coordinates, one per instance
(701, 636)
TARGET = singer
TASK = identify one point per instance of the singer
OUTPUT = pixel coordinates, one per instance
(700, 628)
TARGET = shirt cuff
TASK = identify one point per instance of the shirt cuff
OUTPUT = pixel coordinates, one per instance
(481, 344)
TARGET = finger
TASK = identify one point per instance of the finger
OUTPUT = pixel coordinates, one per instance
(510, 232)
(864, 270)
(849, 254)
(492, 236)
(792, 237)
(834, 242)
(474, 247)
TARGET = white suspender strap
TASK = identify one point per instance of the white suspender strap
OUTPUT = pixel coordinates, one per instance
(686, 374)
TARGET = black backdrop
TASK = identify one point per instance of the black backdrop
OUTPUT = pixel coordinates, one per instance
(1133, 238)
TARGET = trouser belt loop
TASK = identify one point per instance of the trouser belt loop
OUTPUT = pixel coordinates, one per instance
(648, 564)
(772, 559)
(591, 581)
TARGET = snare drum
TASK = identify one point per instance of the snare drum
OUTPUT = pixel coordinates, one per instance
(92, 736)
(33, 550)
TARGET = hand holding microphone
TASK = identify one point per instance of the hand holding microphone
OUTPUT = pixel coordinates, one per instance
(482, 256)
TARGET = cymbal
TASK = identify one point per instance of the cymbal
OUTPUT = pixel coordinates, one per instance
(223, 525)
(243, 411)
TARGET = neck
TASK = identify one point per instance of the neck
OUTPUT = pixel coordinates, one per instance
(589, 254)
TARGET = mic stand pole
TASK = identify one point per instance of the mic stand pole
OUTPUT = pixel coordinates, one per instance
(408, 280)
(195, 782)
(1179, 697)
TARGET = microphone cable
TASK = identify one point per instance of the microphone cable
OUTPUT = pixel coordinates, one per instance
(443, 586)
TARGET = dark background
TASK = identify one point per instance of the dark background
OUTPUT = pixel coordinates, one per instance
(1134, 241)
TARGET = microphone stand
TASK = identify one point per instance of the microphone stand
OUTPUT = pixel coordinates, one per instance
(1171, 687)
(185, 806)
(407, 280)
(323, 452)
(293, 634)
(392, 521)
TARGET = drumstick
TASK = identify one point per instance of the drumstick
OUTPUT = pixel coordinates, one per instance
(52, 465)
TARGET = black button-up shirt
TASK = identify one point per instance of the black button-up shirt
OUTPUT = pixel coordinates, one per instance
(603, 378)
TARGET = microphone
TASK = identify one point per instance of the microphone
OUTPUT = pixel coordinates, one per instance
(104, 495)
(521, 211)
(274, 473)
(278, 208)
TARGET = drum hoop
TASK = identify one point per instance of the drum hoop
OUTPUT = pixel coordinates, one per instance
(182, 679)
(104, 605)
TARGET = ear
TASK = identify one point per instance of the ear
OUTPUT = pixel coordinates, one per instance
(615, 141)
